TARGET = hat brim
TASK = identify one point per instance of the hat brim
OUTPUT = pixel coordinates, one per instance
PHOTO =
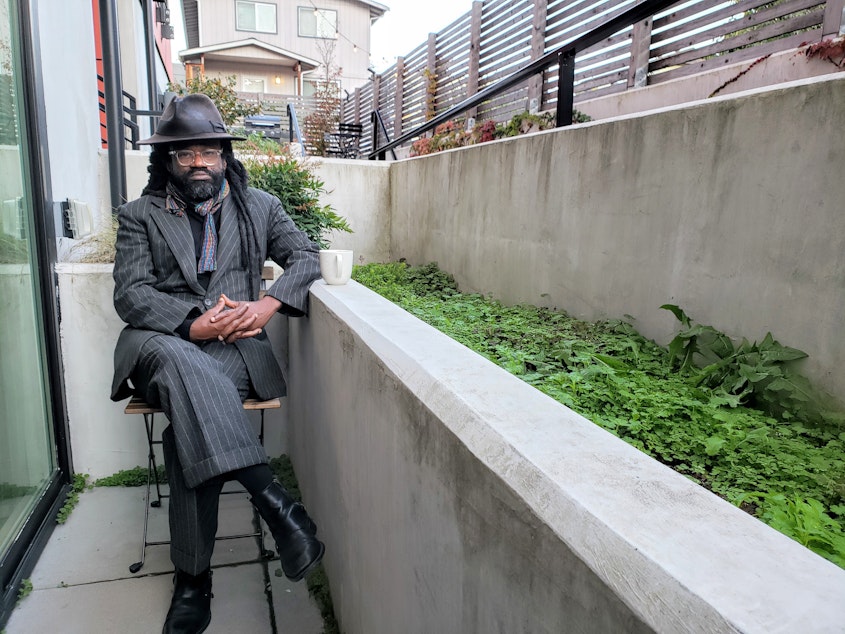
(202, 136)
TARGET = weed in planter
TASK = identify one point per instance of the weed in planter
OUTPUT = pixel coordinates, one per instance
(134, 477)
(25, 590)
(78, 485)
(658, 399)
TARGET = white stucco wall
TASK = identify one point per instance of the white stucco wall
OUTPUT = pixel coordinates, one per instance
(73, 132)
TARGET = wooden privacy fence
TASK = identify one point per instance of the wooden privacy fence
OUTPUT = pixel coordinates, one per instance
(498, 37)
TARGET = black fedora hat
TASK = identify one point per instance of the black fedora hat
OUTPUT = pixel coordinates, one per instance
(193, 117)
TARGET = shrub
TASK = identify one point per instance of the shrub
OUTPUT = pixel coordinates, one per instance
(274, 169)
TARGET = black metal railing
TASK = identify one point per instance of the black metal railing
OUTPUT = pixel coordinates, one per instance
(564, 57)
(293, 126)
(130, 116)
(378, 126)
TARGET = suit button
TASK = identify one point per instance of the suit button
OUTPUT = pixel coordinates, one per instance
(208, 302)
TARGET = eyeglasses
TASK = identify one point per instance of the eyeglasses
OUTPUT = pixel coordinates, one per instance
(186, 158)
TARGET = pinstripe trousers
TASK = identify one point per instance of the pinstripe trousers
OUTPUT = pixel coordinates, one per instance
(200, 388)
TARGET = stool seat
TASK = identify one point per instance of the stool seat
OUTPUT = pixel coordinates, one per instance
(137, 405)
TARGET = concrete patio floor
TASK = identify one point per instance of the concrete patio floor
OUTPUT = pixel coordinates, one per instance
(82, 582)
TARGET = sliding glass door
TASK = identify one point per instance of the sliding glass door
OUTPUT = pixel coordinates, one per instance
(28, 456)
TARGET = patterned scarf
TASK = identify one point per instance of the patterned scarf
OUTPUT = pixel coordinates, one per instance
(207, 208)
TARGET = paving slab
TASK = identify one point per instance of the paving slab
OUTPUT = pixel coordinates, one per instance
(295, 610)
(128, 606)
(82, 583)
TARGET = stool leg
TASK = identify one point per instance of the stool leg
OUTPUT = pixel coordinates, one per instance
(263, 552)
(149, 421)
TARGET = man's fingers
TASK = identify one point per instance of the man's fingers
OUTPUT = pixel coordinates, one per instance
(242, 334)
(228, 302)
(227, 316)
(243, 323)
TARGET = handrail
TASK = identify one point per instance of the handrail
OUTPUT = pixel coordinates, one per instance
(564, 56)
(293, 127)
(130, 122)
(375, 118)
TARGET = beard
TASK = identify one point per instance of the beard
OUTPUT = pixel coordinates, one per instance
(197, 191)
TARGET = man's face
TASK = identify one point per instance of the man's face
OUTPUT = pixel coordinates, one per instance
(196, 180)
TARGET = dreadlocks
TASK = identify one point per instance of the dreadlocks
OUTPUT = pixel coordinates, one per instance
(238, 182)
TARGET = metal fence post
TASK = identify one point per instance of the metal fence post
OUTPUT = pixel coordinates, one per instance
(565, 88)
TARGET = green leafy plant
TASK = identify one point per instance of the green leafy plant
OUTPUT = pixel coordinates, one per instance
(633, 388)
(78, 484)
(134, 477)
(296, 184)
(453, 134)
(224, 96)
(761, 374)
(24, 590)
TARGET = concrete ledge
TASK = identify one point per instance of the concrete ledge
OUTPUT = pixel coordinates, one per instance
(454, 497)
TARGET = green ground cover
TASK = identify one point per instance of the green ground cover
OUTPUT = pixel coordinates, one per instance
(746, 427)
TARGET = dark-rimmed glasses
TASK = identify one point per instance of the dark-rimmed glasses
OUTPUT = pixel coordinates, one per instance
(186, 158)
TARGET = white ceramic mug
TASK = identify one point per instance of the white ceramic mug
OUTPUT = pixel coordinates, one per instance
(336, 266)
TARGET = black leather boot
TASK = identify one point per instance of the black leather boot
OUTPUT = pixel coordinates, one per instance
(294, 532)
(190, 608)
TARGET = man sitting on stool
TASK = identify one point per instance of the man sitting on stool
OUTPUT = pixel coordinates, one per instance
(187, 272)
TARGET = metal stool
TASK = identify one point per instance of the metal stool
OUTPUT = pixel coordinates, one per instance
(138, 406)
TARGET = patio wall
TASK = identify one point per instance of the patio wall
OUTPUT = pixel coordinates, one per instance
(453, 497)
(730, 208)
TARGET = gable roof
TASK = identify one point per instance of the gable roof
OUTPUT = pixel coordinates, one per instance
(376, 10)
(249, 50)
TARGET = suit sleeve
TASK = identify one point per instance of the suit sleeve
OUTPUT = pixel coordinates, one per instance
(290, 248)
(136, 299)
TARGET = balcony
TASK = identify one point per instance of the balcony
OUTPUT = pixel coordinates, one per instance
(452, 496)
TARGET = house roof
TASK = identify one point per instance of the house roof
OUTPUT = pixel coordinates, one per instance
(376, 9)
(251, 51)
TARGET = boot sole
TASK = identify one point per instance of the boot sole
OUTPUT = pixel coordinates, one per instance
(301, 574)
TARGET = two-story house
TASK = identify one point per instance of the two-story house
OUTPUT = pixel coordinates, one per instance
(279, 46)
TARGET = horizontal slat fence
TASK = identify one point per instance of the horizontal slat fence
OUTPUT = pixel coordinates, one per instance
(498, 37)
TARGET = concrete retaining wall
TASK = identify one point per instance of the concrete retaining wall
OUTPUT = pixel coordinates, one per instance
(730, 208)
(453, 497)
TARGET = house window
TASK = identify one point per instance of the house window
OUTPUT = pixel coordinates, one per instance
(259, 17)
(317, 23)
(310, 87)
(253, 84)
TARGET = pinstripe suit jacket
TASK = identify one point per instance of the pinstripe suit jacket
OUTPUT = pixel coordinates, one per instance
(156, 287)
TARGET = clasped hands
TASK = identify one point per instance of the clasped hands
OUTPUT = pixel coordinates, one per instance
(230, 320)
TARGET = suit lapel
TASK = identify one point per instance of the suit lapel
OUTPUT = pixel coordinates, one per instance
(176, 229)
